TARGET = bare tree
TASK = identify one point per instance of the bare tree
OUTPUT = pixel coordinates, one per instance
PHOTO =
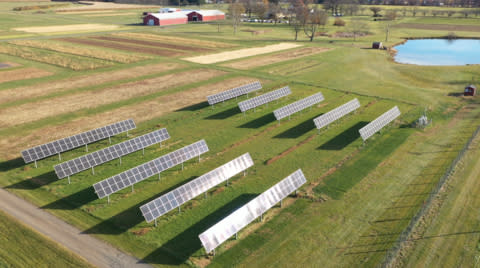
(314, 19)
(376, 11)
(414, 11)
(260, 10)
(298, 20)
(357, 27)
(273, 11)
(236, 10)
(249, 6)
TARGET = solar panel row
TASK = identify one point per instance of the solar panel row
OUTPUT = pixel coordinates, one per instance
(146, 170)
(337, 113)
(186, 192)
(298, 106)
(99, 157)
(234, 92)
(377, 124)
(263, 99)
(65, 144)
(224, 229)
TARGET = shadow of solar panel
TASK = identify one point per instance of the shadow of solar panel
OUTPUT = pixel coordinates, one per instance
(65, 144)
(186, 192)
(264, 99)
(380, 122)
(146, 170)
(234, 92)
(99, 157)
(230, 225)
(337, 113)
(298, 106)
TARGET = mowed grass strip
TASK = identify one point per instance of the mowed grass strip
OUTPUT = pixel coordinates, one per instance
(439, 27)
(152, 43)
(22, 74)
(125, 47)
(271, 59)
(23, 247)
(35, 91)
(73, 62)
(103, 54)
(141, 112)
(30, 112)
(174, 39)
(67, 28)
(341, 181)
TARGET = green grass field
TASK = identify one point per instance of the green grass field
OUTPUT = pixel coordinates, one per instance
(22, 247)
(358, 198)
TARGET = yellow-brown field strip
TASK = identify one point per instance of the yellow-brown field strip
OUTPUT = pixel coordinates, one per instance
(152, 43)
(174, 39)
(30, 112)
(21, 74)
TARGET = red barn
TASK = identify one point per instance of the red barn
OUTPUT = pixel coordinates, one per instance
(162, 19)
(470, 90)
(205, 15)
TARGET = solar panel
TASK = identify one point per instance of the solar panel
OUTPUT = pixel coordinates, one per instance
(118, 150)
(377, 124)
(186, 192)
(224, 229)
(263, 99)
(337, 113)
(298, 106)
(146, 170)
(234, 92)
(65, 144)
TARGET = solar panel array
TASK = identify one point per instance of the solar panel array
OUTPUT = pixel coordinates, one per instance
(146, 170)
(186, 192)
(65, 144)
(263, 99)
(234, 92)
(337, 113)
(298, 106)
(99, 157)
(224, 229)
(377, 124)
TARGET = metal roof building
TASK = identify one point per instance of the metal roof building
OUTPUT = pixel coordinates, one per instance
(162, 19)
(205, 15)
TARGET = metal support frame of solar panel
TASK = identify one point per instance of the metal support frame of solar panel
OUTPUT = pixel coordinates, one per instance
(69, 143)
(233, 223)
(337, 113)
(175, 198)
(91, 160)
(139, 173)
(264, 99)
(380, 122)
(233, 93)
(298, 106)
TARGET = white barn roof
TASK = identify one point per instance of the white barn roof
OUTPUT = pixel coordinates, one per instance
(174, 15)
(211, 12)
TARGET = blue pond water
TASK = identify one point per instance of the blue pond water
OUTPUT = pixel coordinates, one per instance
(439, 52)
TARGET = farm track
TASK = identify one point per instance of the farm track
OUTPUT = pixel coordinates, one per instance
(31, 112)
(125, 47)
(21, 74)
(91, 249)
(140, 112)
(151, 43)
(38, 90)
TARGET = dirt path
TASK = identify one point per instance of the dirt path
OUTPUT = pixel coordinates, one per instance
(91, 249)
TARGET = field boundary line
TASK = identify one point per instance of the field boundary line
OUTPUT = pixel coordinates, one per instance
(393, 252)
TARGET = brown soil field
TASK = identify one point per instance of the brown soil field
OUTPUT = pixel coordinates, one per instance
(21, 74)
(440, 27)
(29, 112)
(152, 43)
(96, 6)
(121, 57)
(110, 14)
(143, 111)
(37, 90)
(241, 53)
(267, 60)
(66, 28)
(146, 50)
(172, 39)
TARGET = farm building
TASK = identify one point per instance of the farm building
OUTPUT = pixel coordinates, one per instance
(205, 15)
(162, 19)
(377, 45)
(470, 90)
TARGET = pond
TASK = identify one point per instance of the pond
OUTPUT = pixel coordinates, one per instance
(439, 52)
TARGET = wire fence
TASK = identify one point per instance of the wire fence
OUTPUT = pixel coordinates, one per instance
(394, 250)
